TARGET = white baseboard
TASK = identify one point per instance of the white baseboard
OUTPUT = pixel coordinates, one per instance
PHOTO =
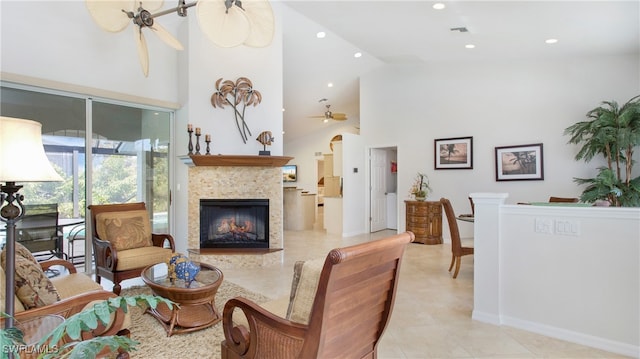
(574, 337)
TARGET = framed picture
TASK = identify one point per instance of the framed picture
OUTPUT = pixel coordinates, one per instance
(289, 173)
(453, 153)
(519, 163)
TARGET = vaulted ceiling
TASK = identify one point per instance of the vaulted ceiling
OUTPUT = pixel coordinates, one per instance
(413, 32)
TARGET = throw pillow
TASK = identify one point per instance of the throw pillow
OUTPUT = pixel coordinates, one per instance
(33, 288)
(303, 290)
(125, 230)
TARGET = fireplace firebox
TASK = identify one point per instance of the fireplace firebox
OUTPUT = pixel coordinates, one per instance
(234, 223)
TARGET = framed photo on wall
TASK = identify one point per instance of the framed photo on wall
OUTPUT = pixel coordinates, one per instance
(519, 163)
(453, 153)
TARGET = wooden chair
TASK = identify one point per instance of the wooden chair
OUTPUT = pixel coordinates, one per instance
(563, 200)
(457, 250)
(117, 264)
(352, 307)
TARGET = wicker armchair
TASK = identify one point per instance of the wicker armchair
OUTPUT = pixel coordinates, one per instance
(457, 250)
(123, 244)
(352, 306)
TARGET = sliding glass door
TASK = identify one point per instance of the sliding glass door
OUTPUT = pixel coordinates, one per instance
(128, 153)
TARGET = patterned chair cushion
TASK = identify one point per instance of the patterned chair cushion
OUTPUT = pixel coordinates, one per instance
(32, 286)
(125, 230)
(303, 289)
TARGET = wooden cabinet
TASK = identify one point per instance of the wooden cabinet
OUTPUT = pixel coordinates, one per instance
(424, 219)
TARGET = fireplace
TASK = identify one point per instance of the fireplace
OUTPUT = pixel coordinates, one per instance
(234, 223)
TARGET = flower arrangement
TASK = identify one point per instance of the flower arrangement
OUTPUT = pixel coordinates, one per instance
(420, 188)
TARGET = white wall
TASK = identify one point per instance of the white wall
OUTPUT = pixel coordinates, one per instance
(586, 284)
(499, 104)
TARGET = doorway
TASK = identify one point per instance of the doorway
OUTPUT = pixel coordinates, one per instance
(383, 196)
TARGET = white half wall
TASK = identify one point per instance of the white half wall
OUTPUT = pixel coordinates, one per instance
(566, 272)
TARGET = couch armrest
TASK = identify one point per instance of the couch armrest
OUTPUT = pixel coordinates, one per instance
(72, 305)
(58, 262)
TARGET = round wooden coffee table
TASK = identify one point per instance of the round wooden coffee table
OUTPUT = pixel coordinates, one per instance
(197, 302)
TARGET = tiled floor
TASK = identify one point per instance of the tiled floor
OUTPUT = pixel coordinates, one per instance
(432, 313)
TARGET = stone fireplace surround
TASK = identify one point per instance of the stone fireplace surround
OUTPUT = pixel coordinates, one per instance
(236, 177)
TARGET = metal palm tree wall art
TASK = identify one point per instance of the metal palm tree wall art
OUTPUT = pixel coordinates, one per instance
(227, 23)
(238, 95)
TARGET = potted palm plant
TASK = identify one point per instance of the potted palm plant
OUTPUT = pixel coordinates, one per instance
(611, 131)
(72, 328)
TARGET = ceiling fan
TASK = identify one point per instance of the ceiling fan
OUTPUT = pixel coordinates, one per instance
(328, 115)
(227, 23)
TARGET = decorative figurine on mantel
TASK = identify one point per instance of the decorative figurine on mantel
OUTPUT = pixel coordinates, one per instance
(265, 138)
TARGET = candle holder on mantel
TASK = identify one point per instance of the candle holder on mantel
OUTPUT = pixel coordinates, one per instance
(190, 130)
(197, 140)
(207, 139)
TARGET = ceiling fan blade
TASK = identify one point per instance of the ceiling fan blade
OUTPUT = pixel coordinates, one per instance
(143, 52)
(224, 28)
(166, 36)
(109, 15)
(339, 116)
(261, 22)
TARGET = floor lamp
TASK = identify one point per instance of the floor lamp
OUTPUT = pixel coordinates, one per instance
(22, 159)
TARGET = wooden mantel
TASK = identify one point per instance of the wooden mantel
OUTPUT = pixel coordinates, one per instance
(235, 160)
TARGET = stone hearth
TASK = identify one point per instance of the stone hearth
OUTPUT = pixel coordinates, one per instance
(236, 177)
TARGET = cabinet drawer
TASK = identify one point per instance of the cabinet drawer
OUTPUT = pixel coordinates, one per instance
(417, 222)
(417, 210)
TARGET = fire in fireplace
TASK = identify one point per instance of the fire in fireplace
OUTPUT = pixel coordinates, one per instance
(234, 223)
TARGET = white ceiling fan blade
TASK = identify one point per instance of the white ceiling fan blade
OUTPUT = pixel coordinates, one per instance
(224, 28)
(261, 21)
(109, 15)
(143, 53)
(165, 36)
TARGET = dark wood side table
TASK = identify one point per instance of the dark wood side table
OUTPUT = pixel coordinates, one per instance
(424, 219)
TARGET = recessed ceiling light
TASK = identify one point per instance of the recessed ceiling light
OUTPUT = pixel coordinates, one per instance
(551, 41)
(357, 55)
(283, 132)
(330, 84)
(321, 35)
(283, 109)
(439, 6)
(470, 46)
(325, 120)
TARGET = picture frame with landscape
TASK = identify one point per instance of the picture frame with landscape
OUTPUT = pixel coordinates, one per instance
(453, 153)
(519, 163)
(289, 173)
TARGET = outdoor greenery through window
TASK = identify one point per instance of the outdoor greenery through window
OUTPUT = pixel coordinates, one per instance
(128, 152)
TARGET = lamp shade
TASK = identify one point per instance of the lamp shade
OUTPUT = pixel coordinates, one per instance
(22, 157)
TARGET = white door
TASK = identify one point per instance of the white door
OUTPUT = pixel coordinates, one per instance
(378, 165)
